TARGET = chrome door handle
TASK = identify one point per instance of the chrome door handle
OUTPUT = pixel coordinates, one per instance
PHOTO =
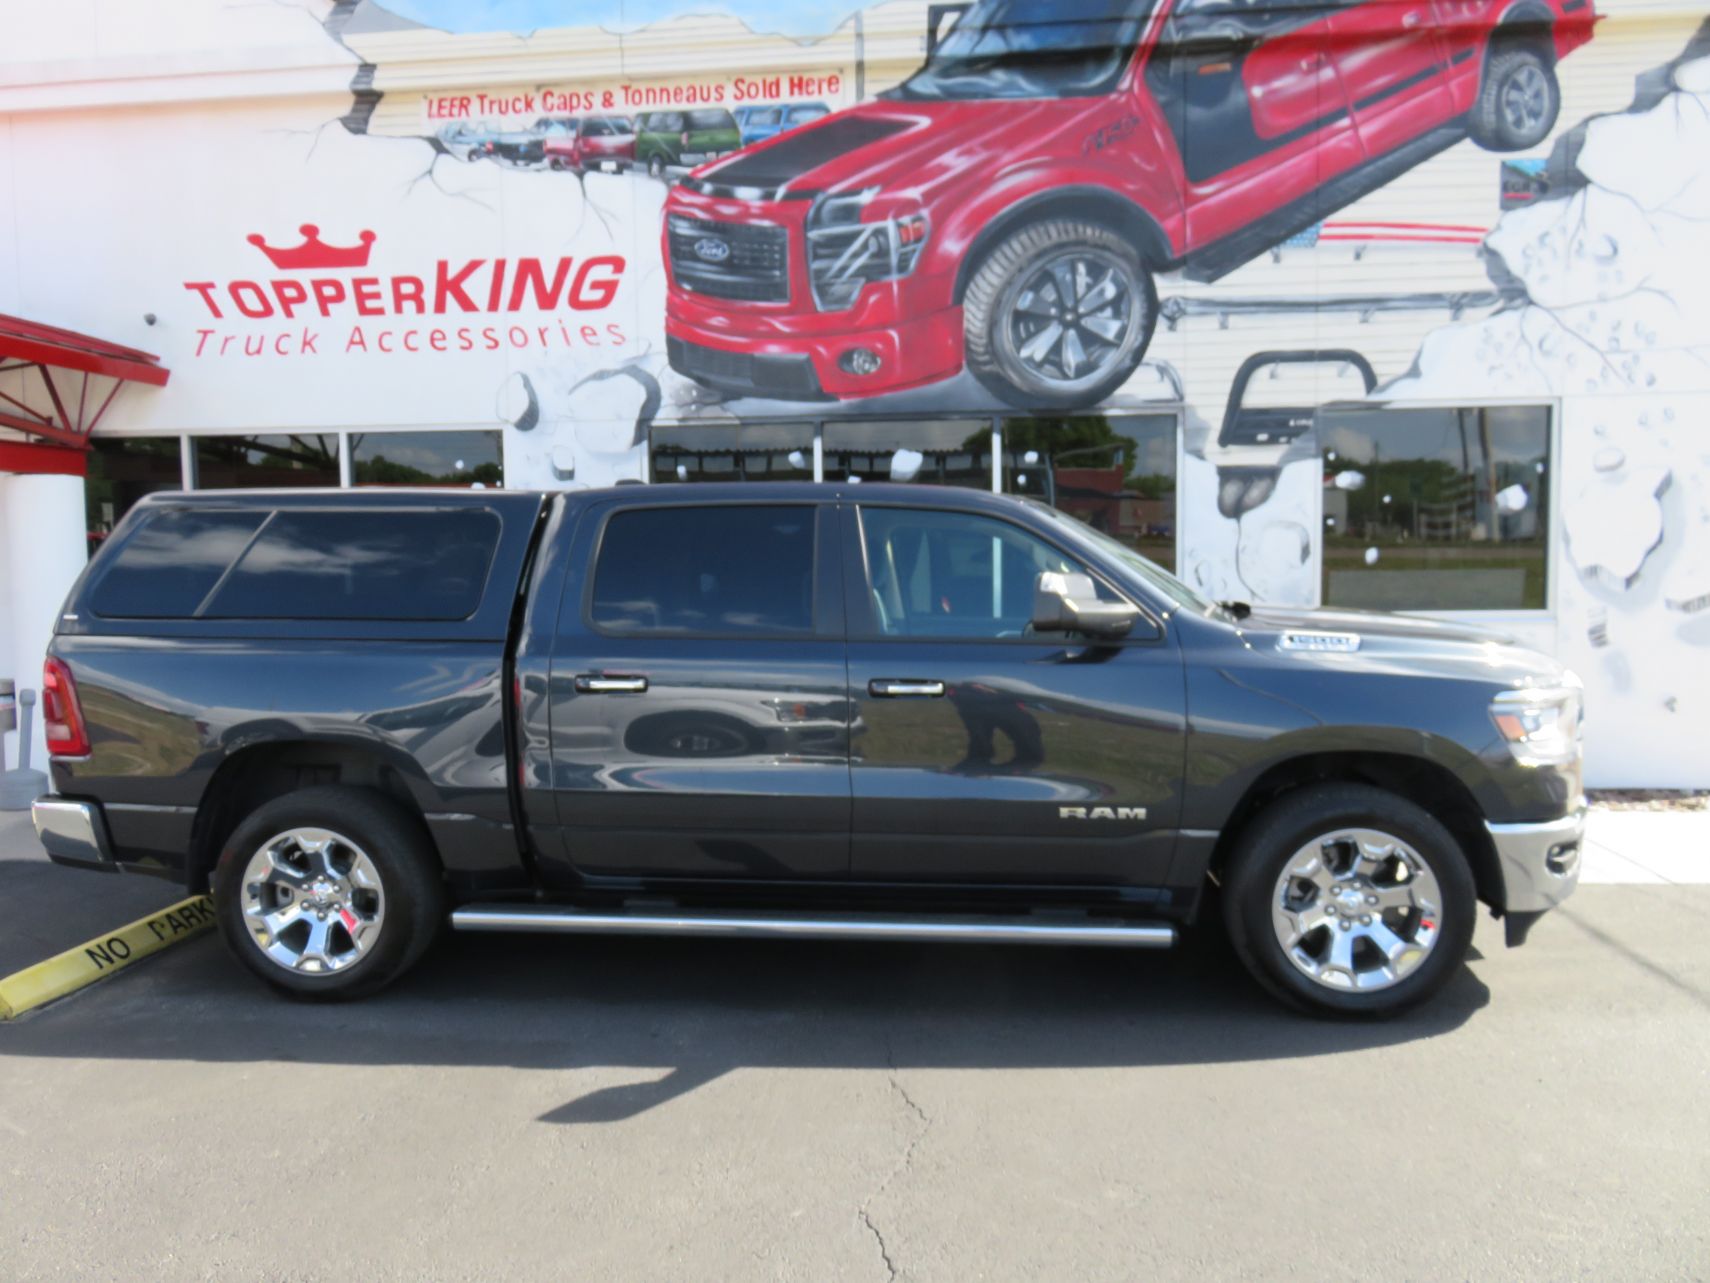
(589, 684)
(902, 688)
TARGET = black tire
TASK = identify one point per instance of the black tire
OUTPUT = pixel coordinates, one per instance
(1518, 101)
(1295, 820)
(401, 852)
(989, 314)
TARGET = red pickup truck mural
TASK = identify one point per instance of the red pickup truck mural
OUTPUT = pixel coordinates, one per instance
(1005, 209)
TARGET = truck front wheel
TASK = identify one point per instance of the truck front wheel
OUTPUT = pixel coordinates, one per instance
(1058, 315)
(1346, 900)
(1518, 101)
(328, 893)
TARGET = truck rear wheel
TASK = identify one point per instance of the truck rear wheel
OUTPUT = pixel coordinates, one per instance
(328, 893)
(1058, 315)
(1518, 101)
(1346, 900)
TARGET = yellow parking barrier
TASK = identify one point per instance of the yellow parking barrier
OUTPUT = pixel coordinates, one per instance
(69, 971)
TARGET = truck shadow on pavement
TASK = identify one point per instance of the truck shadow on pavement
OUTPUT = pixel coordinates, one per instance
(691, 1011)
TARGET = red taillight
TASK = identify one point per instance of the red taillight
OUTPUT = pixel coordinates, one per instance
(62, 718)
(685, 139)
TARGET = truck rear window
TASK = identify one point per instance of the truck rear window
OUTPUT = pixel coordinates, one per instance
(303, 564)
(167, 568)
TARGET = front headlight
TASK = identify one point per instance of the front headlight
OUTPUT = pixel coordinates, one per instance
(845, 252)
(1541, 726)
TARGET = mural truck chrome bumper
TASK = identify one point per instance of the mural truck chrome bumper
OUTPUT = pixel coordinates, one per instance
(1540, 862)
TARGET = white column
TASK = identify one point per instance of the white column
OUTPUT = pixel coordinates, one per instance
(44, 548)
(8, 739)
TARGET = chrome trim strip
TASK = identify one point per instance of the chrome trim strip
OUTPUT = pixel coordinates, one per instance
(73, 832)
(493, 917)
(1540, 861)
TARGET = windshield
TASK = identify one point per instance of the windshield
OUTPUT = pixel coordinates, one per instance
(1031, 49)
(1149, 572)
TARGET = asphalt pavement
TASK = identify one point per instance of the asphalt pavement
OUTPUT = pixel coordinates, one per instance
(660, 1109)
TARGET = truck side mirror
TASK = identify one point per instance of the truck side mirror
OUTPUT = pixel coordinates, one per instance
(1070, 603)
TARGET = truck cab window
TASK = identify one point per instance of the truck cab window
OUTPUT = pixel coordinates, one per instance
(725, 570)
(952, 574)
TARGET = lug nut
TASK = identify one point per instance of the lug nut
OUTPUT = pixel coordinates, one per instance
(1365, 920)
(1371, 899)
(1345, 923)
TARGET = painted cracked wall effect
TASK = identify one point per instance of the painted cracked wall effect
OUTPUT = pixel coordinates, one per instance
(1616, 281)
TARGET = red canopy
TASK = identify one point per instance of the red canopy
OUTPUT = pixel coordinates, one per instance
(64, 412)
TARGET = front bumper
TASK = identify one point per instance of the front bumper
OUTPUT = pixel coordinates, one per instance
(1540, 861)
(761, 356)
(74, 833)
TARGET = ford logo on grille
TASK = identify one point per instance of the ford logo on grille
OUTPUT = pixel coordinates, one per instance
(712, 249)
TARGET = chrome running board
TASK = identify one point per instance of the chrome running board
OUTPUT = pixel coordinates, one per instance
(757, 925)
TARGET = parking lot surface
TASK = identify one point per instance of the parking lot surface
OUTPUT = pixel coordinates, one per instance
(538, 1107)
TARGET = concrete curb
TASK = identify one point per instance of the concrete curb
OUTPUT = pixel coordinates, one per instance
(86, 963)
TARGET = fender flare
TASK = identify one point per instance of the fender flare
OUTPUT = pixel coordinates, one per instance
(1084, 201)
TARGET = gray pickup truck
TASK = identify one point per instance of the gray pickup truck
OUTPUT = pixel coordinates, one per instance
(868, 711)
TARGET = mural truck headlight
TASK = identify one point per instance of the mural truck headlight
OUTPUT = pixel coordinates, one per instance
(846, 251)
(1541, 726)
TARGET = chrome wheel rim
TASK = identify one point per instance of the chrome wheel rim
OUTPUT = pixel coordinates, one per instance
(1071, 319)
(313, 901)
(1356, 910)
(1526, 98)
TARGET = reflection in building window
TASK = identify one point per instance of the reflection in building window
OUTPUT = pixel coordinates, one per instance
(1436, 509)
(1115, 472)
(733, 452)
(438, 458)
(943, 452)
(123, 470)
(249, 463)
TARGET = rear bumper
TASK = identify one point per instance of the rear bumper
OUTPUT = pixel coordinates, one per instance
(1540, 862)
(74, 833)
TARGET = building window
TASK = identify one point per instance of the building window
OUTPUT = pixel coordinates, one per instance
(437, 458)
(1436, 508)
(945, 452)
(248, 463)
(734, 452)
(121, 471)
(1116, 472)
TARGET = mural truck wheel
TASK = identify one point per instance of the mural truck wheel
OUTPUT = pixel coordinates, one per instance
(1517, 103)
(1058, 315)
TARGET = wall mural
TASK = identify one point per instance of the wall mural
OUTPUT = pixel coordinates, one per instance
(1359, 304)
(1062, 207)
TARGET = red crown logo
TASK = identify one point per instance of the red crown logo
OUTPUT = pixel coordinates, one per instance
(314, 252)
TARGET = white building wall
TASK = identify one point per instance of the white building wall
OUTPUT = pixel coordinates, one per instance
(42, 542)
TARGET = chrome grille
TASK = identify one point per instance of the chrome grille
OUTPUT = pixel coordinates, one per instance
(755, 262)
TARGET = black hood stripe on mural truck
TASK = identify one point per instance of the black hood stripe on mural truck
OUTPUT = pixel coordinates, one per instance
(804, 151)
